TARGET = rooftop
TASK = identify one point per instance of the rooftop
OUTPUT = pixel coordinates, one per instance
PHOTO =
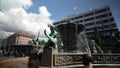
(23, 34)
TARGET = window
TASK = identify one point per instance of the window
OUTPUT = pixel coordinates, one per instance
(77, 21)
(99, 27)
(63, 21)
(106, 26)
(101, 16)
(78, 17)
(89, 29)
(102, 21)
(97, 17)
(110, 14)
(105, 21)
(81, 20)
(113, 25)
(108, 8)
(104, 15)
(98, 22)
(89, 19)
(111, 19)
(100, 11)
(89, 14)
(89, 24)
(107, 33)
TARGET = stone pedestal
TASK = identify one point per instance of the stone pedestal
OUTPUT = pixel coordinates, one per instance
(33, 61)
(47, 57)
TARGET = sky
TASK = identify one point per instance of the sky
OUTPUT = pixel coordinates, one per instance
(32, 16)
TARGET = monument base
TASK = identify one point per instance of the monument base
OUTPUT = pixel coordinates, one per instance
(47, 56)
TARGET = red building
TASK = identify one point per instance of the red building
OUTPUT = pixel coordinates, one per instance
(19, 38)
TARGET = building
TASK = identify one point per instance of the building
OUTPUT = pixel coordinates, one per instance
(18, 43)
(19, 38)
(0, 43)
(101, 18)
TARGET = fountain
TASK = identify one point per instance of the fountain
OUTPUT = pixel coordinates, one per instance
(76, 50)
(73, 37)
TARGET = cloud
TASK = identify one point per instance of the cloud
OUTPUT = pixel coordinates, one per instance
(8, 4)
(15, 18)
(4, 34)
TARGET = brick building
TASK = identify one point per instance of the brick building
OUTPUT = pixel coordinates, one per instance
(19, 38)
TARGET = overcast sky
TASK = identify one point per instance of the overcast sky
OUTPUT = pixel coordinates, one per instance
(34, 15)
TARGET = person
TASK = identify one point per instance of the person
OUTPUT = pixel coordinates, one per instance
(16, 53)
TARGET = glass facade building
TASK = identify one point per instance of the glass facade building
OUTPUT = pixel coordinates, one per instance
(101, 18)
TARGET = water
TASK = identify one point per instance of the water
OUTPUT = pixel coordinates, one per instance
(82, 43)
(94, 47)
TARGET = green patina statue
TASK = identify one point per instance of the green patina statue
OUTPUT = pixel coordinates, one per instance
(36, 41)
(51, 41)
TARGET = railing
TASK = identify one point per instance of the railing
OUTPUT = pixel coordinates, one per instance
(67, 59)
(76, 59)
(106, 58)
